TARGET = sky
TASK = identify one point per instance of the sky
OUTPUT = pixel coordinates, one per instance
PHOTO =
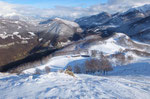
(65, 8)
(53, 3)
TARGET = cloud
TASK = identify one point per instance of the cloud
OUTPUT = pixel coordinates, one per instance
(128, 2)
(112, 6)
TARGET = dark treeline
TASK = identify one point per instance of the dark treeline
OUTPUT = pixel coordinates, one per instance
(30, 58)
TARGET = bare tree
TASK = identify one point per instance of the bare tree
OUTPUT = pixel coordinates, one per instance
(94, 53)
(120, 57)
(105, 65)
(92, 65)
(130, 58)
(101, 55)
(47, 69)
(37, 72)
(77, 69)
(98, 65)
(69, 68)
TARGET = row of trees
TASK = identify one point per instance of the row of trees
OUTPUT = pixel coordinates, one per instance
(77, 69)
(98, 65)
(94, 65)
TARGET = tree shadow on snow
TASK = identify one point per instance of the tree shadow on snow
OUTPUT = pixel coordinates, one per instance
(134, 69)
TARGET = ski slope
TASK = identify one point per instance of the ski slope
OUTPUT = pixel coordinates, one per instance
(125, 82)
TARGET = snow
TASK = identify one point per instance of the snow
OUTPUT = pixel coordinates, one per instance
(19, 27)
(143, 9)
(125, 82)
(31, 33)
(40, 39)
(58, 63)
(141, 43)
(16, 22)
(118, 35)
(73, 24)
(3, 36)
(130, 81)
(19, 36)
(15, 33)
(7, 45)
(6, 35)
(113, 45)
(24, 42)
(109, 46)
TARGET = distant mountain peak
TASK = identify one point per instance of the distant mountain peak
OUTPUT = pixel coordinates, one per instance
(70, 23)
(104, 14)
(142, 9)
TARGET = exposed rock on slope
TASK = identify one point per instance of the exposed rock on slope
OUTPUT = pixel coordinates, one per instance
(59, 32)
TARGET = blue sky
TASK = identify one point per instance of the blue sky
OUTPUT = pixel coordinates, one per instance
(53, 3)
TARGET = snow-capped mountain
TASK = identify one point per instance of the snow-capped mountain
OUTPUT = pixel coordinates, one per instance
(59, 31)
(132, 22)
(143, 9)
(94, 20)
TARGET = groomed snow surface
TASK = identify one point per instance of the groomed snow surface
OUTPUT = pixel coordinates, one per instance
(125, 82)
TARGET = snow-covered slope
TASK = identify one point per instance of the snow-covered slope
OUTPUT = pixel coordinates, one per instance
(59, 31)
(143, 9)
(119, 49)
(73, 24)
(64, 26)
(125, 81)
(130, 82)
(113, 44)
(58, 63)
